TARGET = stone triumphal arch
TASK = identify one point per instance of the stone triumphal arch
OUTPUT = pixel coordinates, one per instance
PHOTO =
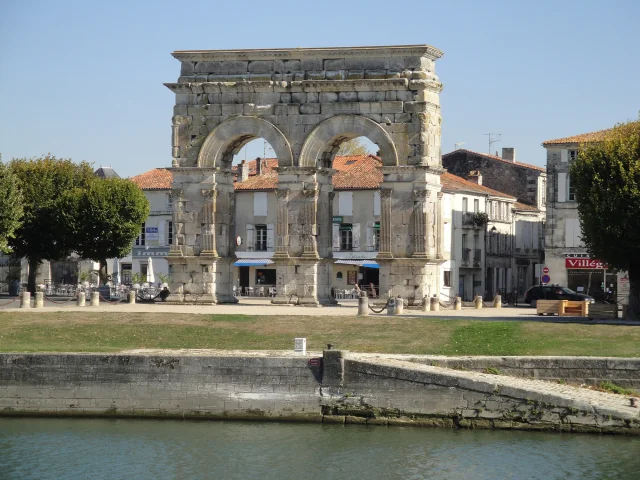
(305, 102)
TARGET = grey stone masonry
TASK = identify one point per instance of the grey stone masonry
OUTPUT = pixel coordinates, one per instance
(305, 102)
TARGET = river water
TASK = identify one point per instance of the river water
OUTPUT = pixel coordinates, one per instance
(43, 449)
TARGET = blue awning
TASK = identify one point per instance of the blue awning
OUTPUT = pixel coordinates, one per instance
(253, 262)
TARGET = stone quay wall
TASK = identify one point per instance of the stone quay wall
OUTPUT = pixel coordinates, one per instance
(578, 370)
(340, 387)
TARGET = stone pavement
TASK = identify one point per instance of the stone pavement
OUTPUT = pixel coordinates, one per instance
(263, 306)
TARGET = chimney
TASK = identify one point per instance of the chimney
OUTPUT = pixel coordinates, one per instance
(259, 166)
(509, 154)
(475, 177)
(244, 171)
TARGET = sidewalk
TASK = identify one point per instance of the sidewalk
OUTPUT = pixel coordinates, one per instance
(263, 306)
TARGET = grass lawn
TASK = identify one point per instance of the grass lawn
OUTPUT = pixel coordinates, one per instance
(111, 332)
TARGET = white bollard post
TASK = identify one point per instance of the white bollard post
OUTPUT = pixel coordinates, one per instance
(425, 304)
(497, 301)
(80, 299)
(95, 299)
(478, 302)
(39, 300)
(391, 306)
(131, 297)
(399, 305)
(363, 305)
(435, 304)
(457, 304)
(25, 300)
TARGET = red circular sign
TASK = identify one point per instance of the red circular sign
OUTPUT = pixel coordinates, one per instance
(545, 270)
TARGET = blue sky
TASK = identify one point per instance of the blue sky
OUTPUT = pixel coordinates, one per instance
(84, 80)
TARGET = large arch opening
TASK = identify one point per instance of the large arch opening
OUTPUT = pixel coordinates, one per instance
(227, 140)
(323, 143)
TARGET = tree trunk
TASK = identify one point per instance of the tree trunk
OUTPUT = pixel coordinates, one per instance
(633, 312)
(33, 272)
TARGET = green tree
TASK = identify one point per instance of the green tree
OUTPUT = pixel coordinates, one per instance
(11, 209)
(44, 234)
(353, 147)
(606, 177)
(105, 218)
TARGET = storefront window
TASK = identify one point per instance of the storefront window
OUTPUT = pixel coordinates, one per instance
(265, 276)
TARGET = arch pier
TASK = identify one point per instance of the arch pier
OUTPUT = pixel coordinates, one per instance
(305, 103)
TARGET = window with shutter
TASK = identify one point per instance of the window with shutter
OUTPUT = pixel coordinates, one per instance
(345, 204)
(270, 238)
(369, 237)
(260, 204)
(562, 187)
(335, 237)
(355, 230)
(250, 238)
(376, 203)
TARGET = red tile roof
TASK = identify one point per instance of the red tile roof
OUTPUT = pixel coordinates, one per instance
(156, 179)
(582, 138)
(525, 207)
(494, 157)
(453, 183)
(354, 172)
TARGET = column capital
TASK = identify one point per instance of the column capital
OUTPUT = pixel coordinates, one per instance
(386, 192)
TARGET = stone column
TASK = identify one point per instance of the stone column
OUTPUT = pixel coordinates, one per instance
(440, 227)
(430, 219)
(282, 226)
(420, 223)
(209, 223)
(310, 222)
(177, 219)
(385, 223)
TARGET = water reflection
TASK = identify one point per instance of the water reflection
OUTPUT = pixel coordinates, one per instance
(146, 449)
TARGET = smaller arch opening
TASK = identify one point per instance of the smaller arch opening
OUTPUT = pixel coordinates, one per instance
(339, 276)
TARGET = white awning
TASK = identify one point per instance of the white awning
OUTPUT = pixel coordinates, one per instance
(359, 263)
(253, 262)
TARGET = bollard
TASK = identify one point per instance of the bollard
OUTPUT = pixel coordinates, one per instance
(363, 305)
(425, 304)
(39, 300)
(399, 305)
(25, 300)
(95, 299)
(434, 304)
(497, 301)
(131, 297)
(391, 306)
(80, 299)
(478, 302)
(457, 304)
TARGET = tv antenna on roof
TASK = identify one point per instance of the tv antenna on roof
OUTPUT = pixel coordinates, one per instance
(457, 144)
(493, 139)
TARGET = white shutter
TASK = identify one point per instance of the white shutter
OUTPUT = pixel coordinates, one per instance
(564, 155)
(355, 231)
(568, 233)
(161, 238)
(249, 244)
(270, 238)
(536, 235)
(335, 237)
(562, 186)
(376, 203)
(345, 204)
(260, 204)
(577, 233)
(447, 237)
(369, 234)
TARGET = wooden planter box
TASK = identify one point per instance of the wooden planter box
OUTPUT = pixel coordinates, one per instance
(563, 308)
(603, 311)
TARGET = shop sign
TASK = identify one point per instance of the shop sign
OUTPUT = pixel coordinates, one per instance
(338, 219)
(150, 252)
(584, 263)
(151, 233)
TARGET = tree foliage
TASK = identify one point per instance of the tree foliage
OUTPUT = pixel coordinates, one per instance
(606, 178)
(105, 218)
(353, 147)
(44, 234)
(11, 209)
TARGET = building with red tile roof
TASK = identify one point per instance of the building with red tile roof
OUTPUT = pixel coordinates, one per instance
(577, 139)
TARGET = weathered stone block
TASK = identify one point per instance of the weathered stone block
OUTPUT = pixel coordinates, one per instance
(260, 66)
(310, 109)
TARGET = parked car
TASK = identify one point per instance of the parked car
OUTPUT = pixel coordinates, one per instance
(553, 292)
